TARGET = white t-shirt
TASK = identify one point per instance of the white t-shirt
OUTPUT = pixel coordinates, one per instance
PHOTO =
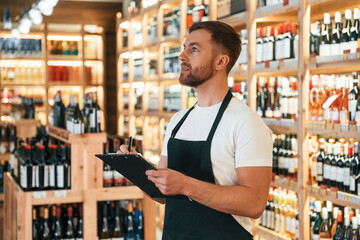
(241, 139)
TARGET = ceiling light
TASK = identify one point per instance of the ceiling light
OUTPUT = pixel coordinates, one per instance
(35, 16)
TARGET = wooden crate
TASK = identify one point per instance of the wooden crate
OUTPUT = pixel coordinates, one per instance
(86, 169)
(18, 207)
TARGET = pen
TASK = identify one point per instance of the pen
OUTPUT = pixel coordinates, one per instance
(130, 143)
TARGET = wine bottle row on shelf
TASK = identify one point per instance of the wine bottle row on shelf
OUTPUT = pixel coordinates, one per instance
(113, 178)
(7, 137)
(21, 72)
(227, 7)
(335, 98)
(328, 222)
(238, 89)
(64, 74)
(63, 221)
(118, 220)
(266, 3)
(335, 163)
(171, 60)
(281, 213)
(64, 48)
(285, 156)
(20, 47)
(76, 121)
(171, 28)
(197, 13)
(276, 44)
(277, 97)
(344, 36)
(39, 165)
(172, 98)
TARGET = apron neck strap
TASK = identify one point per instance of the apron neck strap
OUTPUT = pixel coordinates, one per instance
(221, 111)
(223, 106)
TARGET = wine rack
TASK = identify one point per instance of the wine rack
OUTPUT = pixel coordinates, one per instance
(301, 12)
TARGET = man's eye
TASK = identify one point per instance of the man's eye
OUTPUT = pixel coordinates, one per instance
(195, 49)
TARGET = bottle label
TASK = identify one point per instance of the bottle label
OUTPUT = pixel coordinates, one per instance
(259, 50)
(293, 226)
(281, 162)
(69, 126)
(315, 237)
(352, 182)
(35, 180)
(291, 165)
(335, 116)
(263, 218)
(357, 117)
(286, 163)
(277, 114)
(324, 50)
(353, 45)
(243, 55)
(327, 171)
(92, 120)
(51, 175)
(284, 105)
(286, 50)
(327, 114)
(259, 112)
(282, 223)
(98, 115)
(268, 219)
(314, 169)
(347, 176)
(320, 171)
(272, 220)
(77, 128)
(23, 176)
(352, 107)
(270, 51)
(293, 106)
(297, 233)
(288, 224)
(46, 176)
(278, 49)
(335, 49)
(340, 175)
(343, 116)
(14, 164)
(60, 176)
(333, 172)
(277, 222)
(108, 176)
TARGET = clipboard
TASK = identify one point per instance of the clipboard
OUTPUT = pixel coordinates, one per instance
(133, 167)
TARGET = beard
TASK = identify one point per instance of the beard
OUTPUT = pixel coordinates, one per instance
(196, 77)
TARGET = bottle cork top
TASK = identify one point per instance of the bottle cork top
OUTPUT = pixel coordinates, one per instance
(356, 13)
(337, 17)
(348, 14)
(326, 18)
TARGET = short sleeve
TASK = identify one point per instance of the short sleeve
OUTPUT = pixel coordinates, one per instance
(168, 131)
(253, 144)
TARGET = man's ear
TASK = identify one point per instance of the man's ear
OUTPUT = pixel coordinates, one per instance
(221, 62)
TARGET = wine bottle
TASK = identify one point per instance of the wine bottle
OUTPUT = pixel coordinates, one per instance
(323, 165)
(70, 233)
(104, 233)
(353, 169)
(288, 50)
(318, 222)
(259, 45)
(339, 228)
(279, 43)
(53, 220)
(354, 33)
(335, 223)
(336, 36)
(80, 225)
(346, 232)
(58, 233)
(139, 221)
(130, 231)
(46, 229)
(325, 39)
(96, 117)
(67, 166)
(324, 232)
(346, 168)
(58, 111)
(51, 162)
(353, 96)
(329, 208)
(333, 167)
(35, 226)
(26, 169)
(43, 169)
(354, 231)
(118, 233)
(340, 176)
(60, 172)
(345, 39)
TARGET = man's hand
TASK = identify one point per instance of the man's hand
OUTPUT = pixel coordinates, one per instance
(168, 181)
(124, 149)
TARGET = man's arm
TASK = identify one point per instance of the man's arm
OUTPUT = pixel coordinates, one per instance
(247, 199)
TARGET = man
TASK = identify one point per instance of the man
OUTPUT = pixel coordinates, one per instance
(215, 166)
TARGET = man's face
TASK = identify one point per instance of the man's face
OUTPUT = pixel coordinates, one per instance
(197, 59)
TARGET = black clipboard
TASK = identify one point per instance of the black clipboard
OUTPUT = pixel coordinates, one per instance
(133, 167)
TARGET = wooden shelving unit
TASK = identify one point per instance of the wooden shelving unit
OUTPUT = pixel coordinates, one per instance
(44, 84)
(302, 12)
(268, 234)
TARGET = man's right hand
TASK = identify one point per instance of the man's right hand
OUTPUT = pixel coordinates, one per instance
(124, 149)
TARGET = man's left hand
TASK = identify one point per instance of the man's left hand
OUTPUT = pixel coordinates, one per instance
(168, 181)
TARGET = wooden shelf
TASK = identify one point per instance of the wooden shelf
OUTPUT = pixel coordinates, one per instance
(319, 7)
(284, 183)
(64, 84)
(238, 19)
(268, 234)
(332, 133)
(66, 59)
(337, 198)
(116, 193)
(66, 137)
(238, 74)
(16, 85)
(281, 125)
(2, 197)
(335, 67)
(24, 59)
(286, 67)
(278, 14)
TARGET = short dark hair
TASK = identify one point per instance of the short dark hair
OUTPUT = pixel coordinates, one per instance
(224, 35)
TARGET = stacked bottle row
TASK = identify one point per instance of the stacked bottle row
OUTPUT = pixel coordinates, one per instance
(266, 3)
(197, 13)
(172, 21)
(277, 97)
(39, 165)
(64, 74)
(64, 48)
(344, 36)
(171, 60)
(113, 178)
(172, 98)
(63, 221)
(328, 222)
(275, 44)
(20, 47)
(281, 213)
(7, 137)
(335, 98)
(21, 72)
(335, 163)
(285, 156)
(238, 89)
(119, 220)
(74, 120)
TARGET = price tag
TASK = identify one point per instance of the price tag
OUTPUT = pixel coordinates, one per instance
(332, 192)
(341, 196)
(322, 191)
(60, 193)
(319, 125)
(267, 64)
(344, 127)
(346, 54)
(329, 125)
(352, 56)
(337, 126)
(358, 53)
(358, 128)
(38, 195)
(355, 199)
(348, 198)
(315, 189)
(352, 127)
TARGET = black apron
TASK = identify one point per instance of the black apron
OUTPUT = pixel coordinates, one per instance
(186, 219)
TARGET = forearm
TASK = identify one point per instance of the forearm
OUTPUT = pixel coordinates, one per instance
(238, 200)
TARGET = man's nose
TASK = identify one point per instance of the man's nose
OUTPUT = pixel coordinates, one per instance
(182, 56)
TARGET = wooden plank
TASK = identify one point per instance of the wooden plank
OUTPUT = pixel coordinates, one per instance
(116, 193)
(24, 216)
(235, 20)
(277, 71)
(149, 209)
(93, 167)
(57, 197)
(280, 184)
(336, 201)
(268, 234)
(271, 14)
(335, 67)
(303, 146)
(90, 215)
(333, 133)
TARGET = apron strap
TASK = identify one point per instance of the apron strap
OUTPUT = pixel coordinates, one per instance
(223, 106)
(177, 127)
